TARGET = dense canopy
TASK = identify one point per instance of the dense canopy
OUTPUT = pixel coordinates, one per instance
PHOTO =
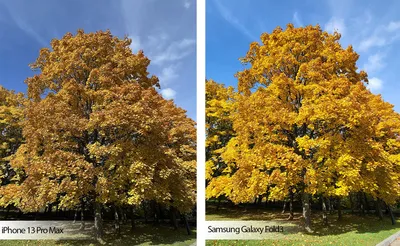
(304, 122)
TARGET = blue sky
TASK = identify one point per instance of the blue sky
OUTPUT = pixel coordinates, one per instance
(371, 27)
(165, 30)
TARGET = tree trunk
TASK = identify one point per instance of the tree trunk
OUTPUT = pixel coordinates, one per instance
(291, 215)
(122, 212)
(82, 216)
(7, 212)
(98, 221)
(306, 212)
(324, 213)
(173, 217)
(116, 218)
(366, 204)
(57, 210)
(362, 203)
(155, 212)
(189, 232)
(391, 214)
(339, 207)
(75, 215)
(219, 203)
(133, 218)
(260, 197)
(330, 205)
(160, 212)
(351, 203)
(145, 213)
(284, 207)
(378, 208)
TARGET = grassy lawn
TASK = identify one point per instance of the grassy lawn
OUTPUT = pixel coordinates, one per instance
(352, 230)
(143, 235)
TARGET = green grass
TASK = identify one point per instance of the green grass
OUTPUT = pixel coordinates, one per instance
(143, 235)
(352, 230)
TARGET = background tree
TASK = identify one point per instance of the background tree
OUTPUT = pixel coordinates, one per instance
(11, 117)
(219, 108)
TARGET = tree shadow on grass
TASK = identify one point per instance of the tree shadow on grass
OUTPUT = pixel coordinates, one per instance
(349, 223)
(143, 234)
(251, 213)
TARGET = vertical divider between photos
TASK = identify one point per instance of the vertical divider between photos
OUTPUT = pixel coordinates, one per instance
(200, 56)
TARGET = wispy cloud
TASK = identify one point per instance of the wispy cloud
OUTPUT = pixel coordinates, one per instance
(368, 17)
(372, 41)
(375, 62)
(24, 26)
(393, 26)
(381, 36)
(231, 19)
(297, 20)
(187, 4)
(336, 24)
(175, 51)
(168, 73)
(168, 93)
(163, 40)
(375, 84)
(135, 45)
(161, 50)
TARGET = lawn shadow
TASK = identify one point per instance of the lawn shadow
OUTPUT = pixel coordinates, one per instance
(250, 213)
(369, 223)
(351, 223)
(142, 234)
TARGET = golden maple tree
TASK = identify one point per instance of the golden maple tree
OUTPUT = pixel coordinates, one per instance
(97, 129)
(305, 122)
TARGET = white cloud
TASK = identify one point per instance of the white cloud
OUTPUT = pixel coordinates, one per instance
(296, 20)
(166, 41)
(168, 93)
(368, 17)
(186, 4)
(336, 24)
(382, 35)
(135, 45)
(375, 84)
(375, 62)
(231, 19)
(177, 50)
(168, 73)
(393, 26)
(373, 41)
(157, 42)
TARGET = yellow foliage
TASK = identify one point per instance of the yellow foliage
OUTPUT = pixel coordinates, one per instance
(303, 118)
(97, 128)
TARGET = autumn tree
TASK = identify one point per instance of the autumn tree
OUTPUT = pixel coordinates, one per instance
(306, 123)
(11, 118)
(219, 108)
(97, 129)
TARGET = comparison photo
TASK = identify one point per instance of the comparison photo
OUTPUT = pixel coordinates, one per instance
(98, 122)
(302, 122)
